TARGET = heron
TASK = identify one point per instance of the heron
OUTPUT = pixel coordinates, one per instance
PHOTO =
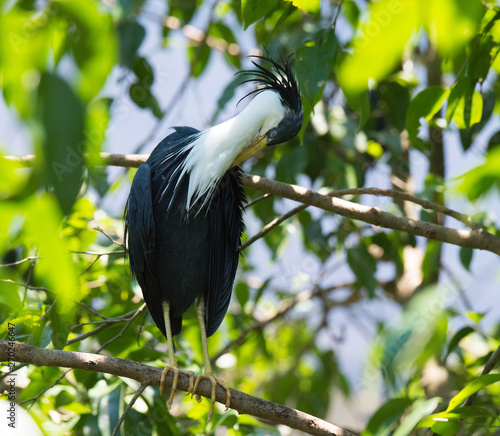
(183, 217)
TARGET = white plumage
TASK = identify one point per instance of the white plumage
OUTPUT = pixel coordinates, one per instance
(215, 150)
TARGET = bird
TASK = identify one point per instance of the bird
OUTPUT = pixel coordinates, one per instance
(184, 212)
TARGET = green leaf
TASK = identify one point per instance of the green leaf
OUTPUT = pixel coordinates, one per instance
(420, 409)
(465, 105)
(478, 182)
(466, 257)
(424, 105)
(387, 414)
(475, 316)
(199, 57)
(242, 293)
(460, 413)
(140, 91)
(131, 35)
(55, 268)
(98, 179)
(224, 33)
(452, 23)
(314, 63)
(92, 40)
(474, 386)
(364, 267)
(253, 10)
(351, 12)
(397, 100)
(390, 26)
(457, 337)
(60, 323)
(129, 5)
(309, 6)
(450, 428)
(63, 120)
(292, 162)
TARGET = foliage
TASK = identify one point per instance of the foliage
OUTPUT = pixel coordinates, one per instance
(388, 87)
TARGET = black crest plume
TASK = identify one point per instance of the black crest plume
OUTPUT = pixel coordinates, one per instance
(278, 78)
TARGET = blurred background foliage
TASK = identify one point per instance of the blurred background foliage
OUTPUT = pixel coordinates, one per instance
(397, 94)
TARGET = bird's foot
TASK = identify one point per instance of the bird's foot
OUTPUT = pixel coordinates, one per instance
(173, 390)
(211, 378)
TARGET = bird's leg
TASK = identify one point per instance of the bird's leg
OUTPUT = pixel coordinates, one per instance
(207, 367)
(172, 362)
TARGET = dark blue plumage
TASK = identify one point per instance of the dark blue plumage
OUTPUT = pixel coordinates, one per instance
(178, 254)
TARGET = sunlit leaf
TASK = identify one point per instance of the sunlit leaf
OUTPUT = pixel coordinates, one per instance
(92, 25)
(451, 23)
(310, 6)
(54, 268)
(390, 25)
(424, 105)
(465, 104)
(474, 386)
(475, 316)
(24, 49)
(478, 181)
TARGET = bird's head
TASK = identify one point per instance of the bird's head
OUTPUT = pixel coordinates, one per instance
(280, 79)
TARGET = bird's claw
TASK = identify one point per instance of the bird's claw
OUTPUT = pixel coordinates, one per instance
(210, 377)
(173, 389)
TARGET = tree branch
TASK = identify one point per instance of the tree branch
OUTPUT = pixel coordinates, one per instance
(148, 375)
(476, 238)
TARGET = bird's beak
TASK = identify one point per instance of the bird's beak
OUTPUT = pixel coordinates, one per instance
(257, 144)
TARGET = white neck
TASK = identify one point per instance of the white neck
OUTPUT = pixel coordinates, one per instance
(216, 148)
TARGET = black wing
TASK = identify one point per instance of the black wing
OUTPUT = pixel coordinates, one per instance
(140, 228)
(225, 227)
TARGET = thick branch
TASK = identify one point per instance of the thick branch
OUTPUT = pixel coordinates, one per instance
(148, 375)
(476, 238)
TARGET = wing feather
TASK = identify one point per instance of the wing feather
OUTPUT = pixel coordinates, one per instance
(140, 229)
(226, 227)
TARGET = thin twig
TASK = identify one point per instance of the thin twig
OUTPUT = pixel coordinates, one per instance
(120, 244)
(137, 312)
(140, 390)
(107, 323)
(37, 396)
(268, 227)
(98, 256)
(107, 320)
(97, 253)
(257, 200)
(339, 8)
(283, 309)
(490, 364)
(5, 265)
